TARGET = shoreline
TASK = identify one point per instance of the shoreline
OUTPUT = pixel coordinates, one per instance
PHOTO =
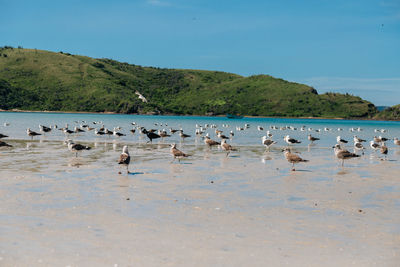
(180, 115)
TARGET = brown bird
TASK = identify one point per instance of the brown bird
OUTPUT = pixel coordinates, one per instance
(227, 147)
(343, 153)
(125, 158)
(209, 142)
(293, 158)
(177, 153)
(312, 138)
(384, 149)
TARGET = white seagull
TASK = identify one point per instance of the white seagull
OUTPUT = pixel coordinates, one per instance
(141, 96)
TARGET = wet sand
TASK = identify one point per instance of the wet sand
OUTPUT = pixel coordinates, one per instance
(209, 210)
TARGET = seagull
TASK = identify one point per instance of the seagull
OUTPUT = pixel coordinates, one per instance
(222, 137)
(163, 134)
(260, 128)
(44, 129)
(78, 130)
(340, 140)
(383, 139)
(68, 131)
(358, 140)
(227, 147)
(98, 132)
(31, 133)
(267, 142)
(377, 139)
(291, 141)
(173, 130)
(117, 134)
(141, 96)
(124, 158)
(312, 138)
(182, 135)
(4, 144)
(3, 136)
(292, 158)
(343, 154)
(150, 135)
(374, 145)
(177, 153)
(384, 149)
(359, 146)
(269, 134)
(108, 132)
(396, 141)
(76, 147)
(209, 142)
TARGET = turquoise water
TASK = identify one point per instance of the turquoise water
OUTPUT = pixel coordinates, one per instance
(20, 121)
(236, 203)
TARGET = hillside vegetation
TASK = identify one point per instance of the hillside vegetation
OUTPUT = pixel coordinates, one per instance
(390, 113)
(33, 79)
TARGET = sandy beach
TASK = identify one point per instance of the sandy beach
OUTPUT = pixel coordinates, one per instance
(209, 210)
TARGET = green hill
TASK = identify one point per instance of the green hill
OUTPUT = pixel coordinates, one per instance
(33, 79)
(390, 113)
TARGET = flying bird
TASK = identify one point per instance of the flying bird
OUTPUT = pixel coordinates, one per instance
(141, 97)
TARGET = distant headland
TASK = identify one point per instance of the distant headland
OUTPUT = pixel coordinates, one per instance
(39, 80)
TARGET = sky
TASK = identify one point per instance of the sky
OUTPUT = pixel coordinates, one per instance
(347, 46)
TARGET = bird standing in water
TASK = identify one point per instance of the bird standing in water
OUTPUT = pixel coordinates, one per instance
(125, 158)
(292, 158)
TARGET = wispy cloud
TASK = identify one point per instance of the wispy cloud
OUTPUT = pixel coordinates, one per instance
(380, 91)
(158, 3)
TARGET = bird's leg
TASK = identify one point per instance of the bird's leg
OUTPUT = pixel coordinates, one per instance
(342, 162)
(127, 171)
(76, 154)
(293, 169)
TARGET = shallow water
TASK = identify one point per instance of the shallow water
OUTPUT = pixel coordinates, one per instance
(209, 209)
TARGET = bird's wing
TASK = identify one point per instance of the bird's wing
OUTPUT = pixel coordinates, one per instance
(124, 159)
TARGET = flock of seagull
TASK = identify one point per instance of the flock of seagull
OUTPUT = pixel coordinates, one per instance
(377, 143)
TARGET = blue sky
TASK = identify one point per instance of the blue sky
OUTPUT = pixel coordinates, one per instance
(337, 45)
